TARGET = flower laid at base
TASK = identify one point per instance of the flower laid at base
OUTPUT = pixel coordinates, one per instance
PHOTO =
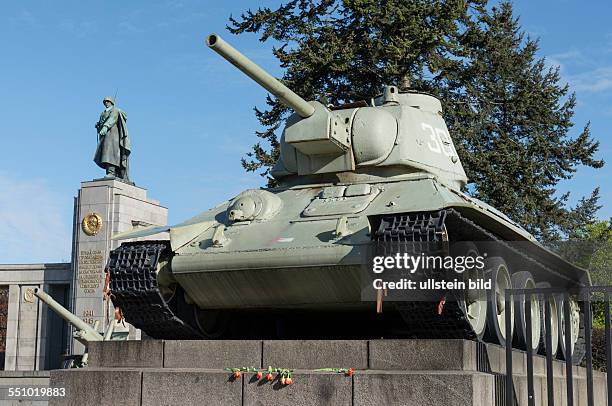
(283, 375)
(346, 371)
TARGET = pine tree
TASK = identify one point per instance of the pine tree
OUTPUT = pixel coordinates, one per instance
(509, 114)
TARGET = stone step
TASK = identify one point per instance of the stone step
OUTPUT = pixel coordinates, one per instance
(560, 390)
(169, 386)
(23, 379)
(184, 386)
(393, 355)
(388, 372)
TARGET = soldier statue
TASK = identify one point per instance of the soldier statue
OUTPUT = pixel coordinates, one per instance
(113, 142)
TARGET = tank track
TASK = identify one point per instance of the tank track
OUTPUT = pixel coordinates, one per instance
(133, 284)
(422, 317)
(415, 231)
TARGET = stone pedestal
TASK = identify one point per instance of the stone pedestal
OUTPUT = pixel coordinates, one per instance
(388, 372)
(104, 208)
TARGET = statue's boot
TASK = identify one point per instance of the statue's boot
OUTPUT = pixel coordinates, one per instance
(122, 174)
(111, 171)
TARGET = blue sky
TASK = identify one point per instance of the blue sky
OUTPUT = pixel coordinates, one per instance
(189, 112)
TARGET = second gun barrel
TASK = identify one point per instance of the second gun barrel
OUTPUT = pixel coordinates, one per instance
(89, 333)
(267, 81)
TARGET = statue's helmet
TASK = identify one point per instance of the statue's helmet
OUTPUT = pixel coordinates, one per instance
(109, 99)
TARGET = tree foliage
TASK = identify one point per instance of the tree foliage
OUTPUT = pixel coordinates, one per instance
(508, 112)
(596, 256)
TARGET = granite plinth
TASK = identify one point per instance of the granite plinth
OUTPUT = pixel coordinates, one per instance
(143, 354)
(189, 387)
(97, 386)
(212, 354)
(313, 354)
(389, 372)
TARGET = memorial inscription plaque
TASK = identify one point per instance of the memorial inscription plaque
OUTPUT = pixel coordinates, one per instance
(91, 270)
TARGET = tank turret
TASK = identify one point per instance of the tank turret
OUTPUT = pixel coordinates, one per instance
(399, 133)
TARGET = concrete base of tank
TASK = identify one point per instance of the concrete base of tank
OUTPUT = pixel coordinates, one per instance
(388, 372)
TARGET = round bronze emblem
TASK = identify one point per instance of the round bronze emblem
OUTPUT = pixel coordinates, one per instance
(28, 295)
(92, 224)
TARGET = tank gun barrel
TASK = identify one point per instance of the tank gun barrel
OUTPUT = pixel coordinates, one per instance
(265, 80)
(86, 332)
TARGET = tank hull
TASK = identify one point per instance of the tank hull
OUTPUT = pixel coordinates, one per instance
(293, 260)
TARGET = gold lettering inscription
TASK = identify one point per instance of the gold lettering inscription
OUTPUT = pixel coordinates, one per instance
(91, 270)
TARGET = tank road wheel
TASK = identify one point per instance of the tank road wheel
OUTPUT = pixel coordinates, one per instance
(554, 322)
(524, 280)
(473, 302)
(212, 323)
(577, 328)
(497, 272)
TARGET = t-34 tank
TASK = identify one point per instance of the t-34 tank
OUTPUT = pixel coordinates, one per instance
(348, 177)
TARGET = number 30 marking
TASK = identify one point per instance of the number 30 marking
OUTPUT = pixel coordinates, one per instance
(439, 140)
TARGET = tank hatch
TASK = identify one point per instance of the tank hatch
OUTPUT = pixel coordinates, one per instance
(342, 200)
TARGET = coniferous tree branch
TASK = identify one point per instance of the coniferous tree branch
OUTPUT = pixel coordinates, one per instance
(509, 114)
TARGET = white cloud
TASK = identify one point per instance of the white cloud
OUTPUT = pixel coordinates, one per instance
(572, 54)
(24, 19)
(596, 80)
(582, 72)
(79, 29)
(130, 27)
(32, 225)
(566, 61)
